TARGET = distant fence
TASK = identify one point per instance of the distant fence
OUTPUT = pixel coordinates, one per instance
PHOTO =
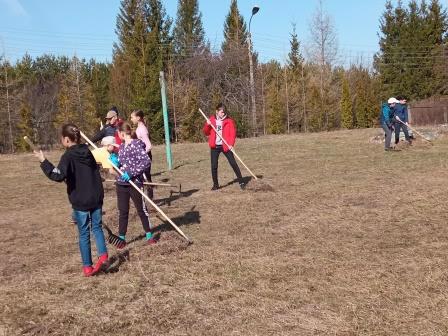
(432, 111)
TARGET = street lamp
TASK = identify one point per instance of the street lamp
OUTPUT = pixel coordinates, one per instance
(255, 10)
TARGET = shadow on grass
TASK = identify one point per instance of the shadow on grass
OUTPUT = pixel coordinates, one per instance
(174, 196)
(246, 180)
(188, 218)
(176, 167)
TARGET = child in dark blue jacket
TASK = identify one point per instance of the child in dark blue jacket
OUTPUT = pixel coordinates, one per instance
(401, 113)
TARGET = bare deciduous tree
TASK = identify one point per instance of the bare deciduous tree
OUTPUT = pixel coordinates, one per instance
(323, 49)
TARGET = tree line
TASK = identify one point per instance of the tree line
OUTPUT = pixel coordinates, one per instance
(309, 92)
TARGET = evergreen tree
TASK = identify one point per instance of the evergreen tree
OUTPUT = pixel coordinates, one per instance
(275, 110)
(410, 53)
(188, 31)
(235, 30)
(24, 127)
(315, 116)
(387, 61)
(144, 41)
(98, 77)
(346, 106)
(191, 124)
(296, 77)
(295, 58)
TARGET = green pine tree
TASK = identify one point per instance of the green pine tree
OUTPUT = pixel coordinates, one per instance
(296, 77)
(188, 34)
(275, 110)
(235, 30)
(24, 127)
(346, 106)
(191, 124)
(295, 58)
(144, 43)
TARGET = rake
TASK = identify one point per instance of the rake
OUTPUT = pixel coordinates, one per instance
(413, 130)
(30, 143)
(231, 148)
(113, 238)
(179, 231)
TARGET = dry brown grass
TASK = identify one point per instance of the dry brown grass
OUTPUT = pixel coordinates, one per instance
(350, 241)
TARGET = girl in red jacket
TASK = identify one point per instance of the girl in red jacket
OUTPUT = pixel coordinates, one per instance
(226, 128)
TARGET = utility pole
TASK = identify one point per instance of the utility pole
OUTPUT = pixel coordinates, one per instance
(255, 10)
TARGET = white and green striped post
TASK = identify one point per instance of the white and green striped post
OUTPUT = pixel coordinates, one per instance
(166, 126)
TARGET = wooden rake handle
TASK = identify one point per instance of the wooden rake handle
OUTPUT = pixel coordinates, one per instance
(30, 143)
(413, 130)
(153, 184)
(232, 150)
(143, 194)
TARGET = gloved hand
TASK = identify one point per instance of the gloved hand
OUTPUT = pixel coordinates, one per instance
(114, 159)
(125, 177)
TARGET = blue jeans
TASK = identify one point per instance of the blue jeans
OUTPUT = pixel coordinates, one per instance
(83, 218)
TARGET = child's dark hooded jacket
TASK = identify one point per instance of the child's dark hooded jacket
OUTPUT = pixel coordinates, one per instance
(79, 170)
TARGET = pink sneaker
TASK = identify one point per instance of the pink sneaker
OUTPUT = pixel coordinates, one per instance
(151, 241)
(87, 270)
(102, 260)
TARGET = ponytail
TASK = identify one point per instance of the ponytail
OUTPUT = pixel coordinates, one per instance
(72, 132)
(139, 113)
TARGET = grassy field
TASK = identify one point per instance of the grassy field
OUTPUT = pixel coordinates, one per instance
(350, 240)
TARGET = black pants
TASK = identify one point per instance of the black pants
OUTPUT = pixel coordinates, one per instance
(397, 132)
(148, 170)
(149, 190)
(124, 193)
(214, 153)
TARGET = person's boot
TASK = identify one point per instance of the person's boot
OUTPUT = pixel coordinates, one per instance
(215, 187)
(87, 270)
(102, 260)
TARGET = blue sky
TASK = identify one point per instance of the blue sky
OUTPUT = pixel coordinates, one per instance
(87, 27)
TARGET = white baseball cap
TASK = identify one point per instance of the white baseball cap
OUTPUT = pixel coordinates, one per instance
(109, 140)
(392, 100)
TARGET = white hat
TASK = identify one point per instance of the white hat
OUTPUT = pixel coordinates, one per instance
(392, 100)
(109, 140)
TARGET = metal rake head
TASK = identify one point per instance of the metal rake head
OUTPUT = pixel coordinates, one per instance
(114, 239)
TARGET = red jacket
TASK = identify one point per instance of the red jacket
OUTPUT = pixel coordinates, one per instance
(228, 132)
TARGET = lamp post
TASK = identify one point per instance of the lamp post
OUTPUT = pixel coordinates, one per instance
(255, 10)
